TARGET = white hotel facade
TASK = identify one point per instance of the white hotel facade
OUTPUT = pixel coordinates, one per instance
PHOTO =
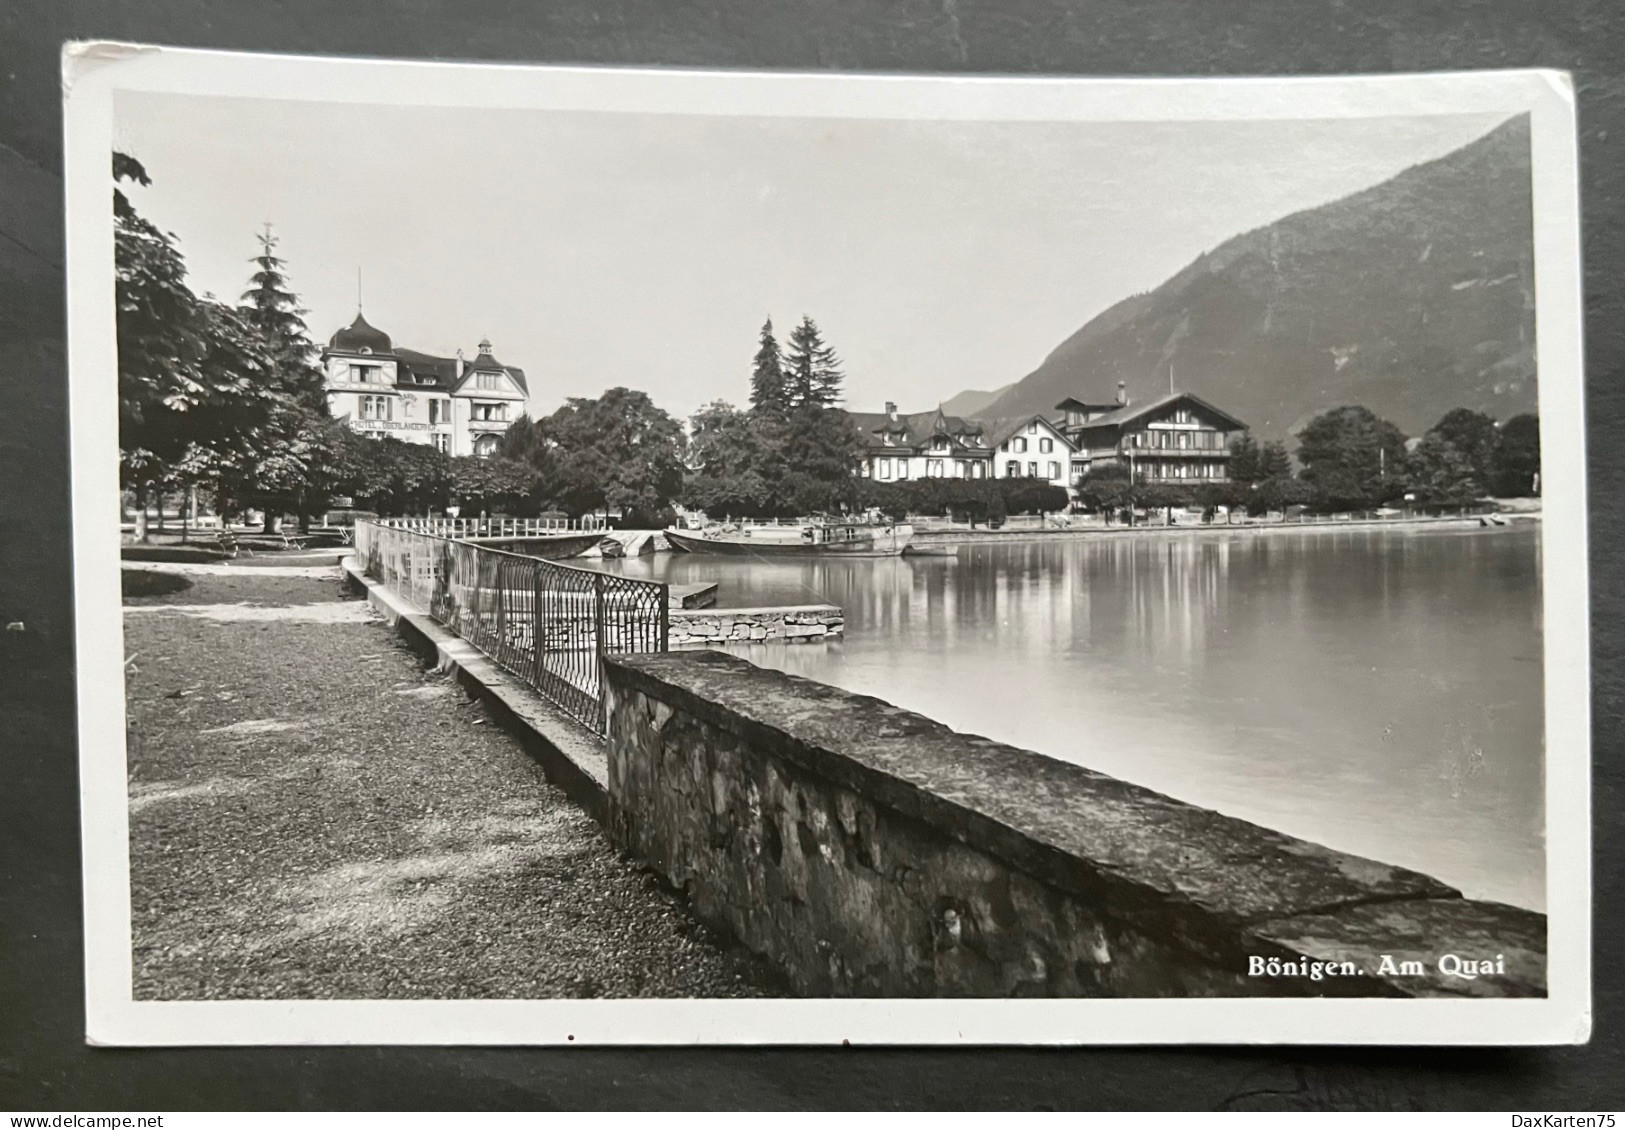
(461, 407)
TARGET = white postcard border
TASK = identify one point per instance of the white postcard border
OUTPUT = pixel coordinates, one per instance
(93, 72)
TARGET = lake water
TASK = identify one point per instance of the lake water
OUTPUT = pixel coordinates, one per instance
(1379, 691)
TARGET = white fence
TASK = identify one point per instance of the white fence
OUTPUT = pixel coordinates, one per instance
(494, 527)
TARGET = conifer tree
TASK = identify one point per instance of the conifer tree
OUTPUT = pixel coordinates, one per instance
(767, 391)
(813, 371)
(274, 311)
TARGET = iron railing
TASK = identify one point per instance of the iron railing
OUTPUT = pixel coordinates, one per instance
(548, 623)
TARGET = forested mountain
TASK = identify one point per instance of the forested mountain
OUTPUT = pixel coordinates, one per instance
(1412, 297)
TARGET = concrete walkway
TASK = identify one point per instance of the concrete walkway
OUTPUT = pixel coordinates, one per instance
(312, 815)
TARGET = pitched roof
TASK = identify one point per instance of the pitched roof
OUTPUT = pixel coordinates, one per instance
(1073, 402)
(918, 428)
(444, 369)
(1131, 412)
(1003, 429)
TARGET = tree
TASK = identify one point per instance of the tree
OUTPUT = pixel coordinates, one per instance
(1279, 494)
(768, 396)
(393, 478)
(813, 374)
(274, 311)
(733, 463)
(1441, 473)
(1516, 466)
(1273, 461)
(1474, 436)
(618, 451)
(1245, 466)
(1352, 458)
(192, 378)
(483, 484)
(281, 475)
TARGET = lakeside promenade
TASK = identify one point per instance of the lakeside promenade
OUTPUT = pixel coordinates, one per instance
(314, 816)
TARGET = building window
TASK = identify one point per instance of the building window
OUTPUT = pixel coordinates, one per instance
(439, 411)
(487, 411)
(902, 468)
(1032, 470)
(485, 445)
(375, 407)
(977, 470)
(885, 468)
(441, 441)
(1054, 470)
(1046, 445)
(488, 380)
(1012, 470)
(933, 468)
(1018, 445)
(1032, 428)
(367, 374)
(960, 469)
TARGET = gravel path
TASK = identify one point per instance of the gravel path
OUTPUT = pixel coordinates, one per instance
(312, 815)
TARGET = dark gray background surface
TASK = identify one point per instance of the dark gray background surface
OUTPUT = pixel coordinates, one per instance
(43, 1062)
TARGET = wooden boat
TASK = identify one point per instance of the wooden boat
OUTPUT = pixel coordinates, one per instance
(931, 551)
(810, 540)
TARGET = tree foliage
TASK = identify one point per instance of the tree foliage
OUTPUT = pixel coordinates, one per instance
(489, 485)
(733, 462)
(794, 453)
(192, 375)
(812, 371)
(616, 451)
(768, 397)
(1517, 458)
(1353, 459)
(972, 500)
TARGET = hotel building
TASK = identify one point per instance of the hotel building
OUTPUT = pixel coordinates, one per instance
(461, 407)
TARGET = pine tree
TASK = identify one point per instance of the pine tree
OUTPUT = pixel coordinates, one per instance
(813, 377)
(274, 311)
(767, 391)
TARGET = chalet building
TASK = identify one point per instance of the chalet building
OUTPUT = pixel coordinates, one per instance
(922, 445)
(461, 407)
(1034, 448)
(1178, 436)
(933, 445)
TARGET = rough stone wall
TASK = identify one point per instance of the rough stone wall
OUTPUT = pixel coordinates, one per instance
(691, 628)
(871, 851)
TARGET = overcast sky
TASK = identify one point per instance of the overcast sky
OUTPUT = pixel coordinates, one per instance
(645, 250)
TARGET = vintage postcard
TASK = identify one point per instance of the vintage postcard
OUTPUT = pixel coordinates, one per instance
(634, 556)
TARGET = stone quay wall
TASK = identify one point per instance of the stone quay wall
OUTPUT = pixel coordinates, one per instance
(708, 627)
(870, 851)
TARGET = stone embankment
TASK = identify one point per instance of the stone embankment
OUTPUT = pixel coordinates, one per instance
(711, 627)
(870, 851)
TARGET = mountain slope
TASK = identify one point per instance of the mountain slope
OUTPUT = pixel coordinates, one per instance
(1412, 297)
(972, 401)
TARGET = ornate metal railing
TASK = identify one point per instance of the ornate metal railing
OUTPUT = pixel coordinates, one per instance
(549, 624)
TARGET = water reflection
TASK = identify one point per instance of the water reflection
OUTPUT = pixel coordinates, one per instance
(1379, 691)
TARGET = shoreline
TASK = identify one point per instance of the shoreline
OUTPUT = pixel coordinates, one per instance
(973, 537)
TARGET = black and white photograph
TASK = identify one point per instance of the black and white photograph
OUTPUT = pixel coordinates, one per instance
(564, 554)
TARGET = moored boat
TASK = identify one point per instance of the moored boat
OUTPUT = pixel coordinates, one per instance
(812, 539)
